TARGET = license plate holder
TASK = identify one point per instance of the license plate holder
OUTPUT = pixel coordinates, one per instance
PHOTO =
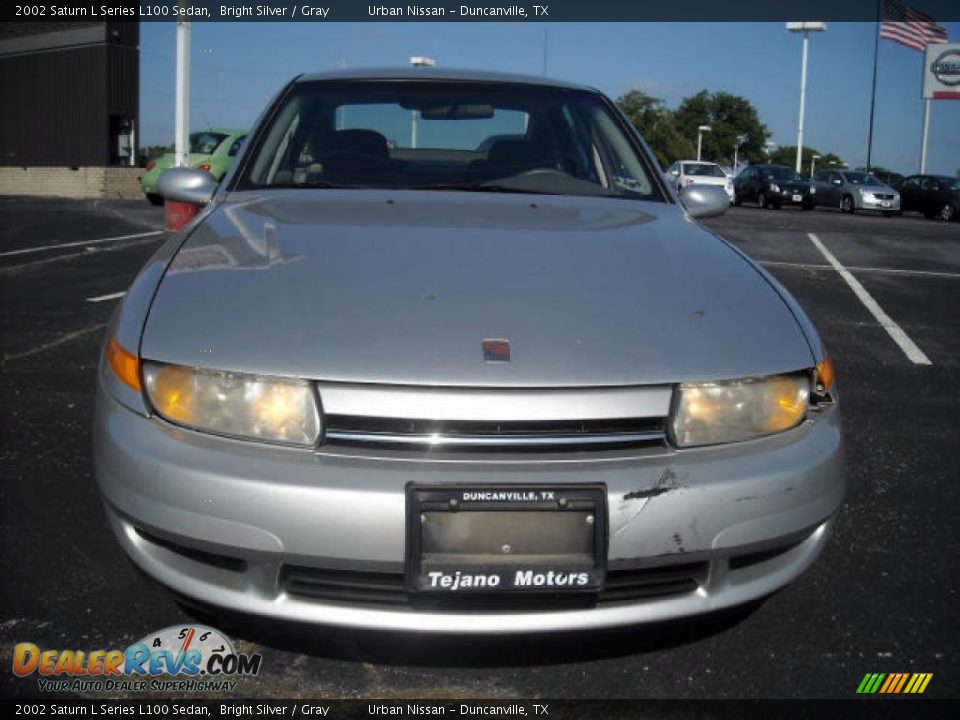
(797, 198)
(502, 539)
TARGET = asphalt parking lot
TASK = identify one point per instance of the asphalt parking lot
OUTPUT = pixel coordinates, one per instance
(883, 597)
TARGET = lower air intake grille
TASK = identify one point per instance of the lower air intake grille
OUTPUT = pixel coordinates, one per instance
(388, 589)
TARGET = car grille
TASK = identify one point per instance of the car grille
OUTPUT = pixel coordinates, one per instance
(494, 435)
(883, 196)
(388, 589)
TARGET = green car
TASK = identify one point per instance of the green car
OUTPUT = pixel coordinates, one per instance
(210, 150)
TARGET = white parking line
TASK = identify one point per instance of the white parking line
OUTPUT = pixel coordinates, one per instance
(24, 251)
(855, 268)
(910, 349)
(111, 296)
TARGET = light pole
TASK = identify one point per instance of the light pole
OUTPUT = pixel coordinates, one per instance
(418, 61)
(741, 139)
(813, 163)
(806, 28)
(181, 116)
(700, 131)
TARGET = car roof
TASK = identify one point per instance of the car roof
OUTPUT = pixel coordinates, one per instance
(701, 162)
(448, 74)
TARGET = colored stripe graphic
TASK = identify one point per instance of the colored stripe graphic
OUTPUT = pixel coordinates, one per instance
(894, 683)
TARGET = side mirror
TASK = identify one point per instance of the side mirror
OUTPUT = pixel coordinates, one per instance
(837, 181)
(187, 185)
(702, 201)
(675, 173)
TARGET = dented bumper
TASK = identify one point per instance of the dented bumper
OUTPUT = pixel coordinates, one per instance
(227, 523)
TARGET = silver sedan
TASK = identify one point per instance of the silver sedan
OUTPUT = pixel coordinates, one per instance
(852, 191)
(443, 353)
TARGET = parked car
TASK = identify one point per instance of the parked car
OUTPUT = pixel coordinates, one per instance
(933, 195)
(771, 186)
(852, 191)
(441, 389)
(210, 150)
(694, 172)
(894, 180)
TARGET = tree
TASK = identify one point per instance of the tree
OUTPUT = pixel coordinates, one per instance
(787, 155)
(729, 117)
(655, 122)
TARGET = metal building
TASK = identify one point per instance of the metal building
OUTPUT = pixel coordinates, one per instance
(69, 93)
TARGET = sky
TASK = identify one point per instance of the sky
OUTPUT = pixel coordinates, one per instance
(237, 67)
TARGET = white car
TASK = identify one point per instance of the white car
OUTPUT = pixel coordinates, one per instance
(696, 172)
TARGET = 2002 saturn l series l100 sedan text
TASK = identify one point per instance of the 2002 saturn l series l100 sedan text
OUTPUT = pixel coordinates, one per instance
(443, 353)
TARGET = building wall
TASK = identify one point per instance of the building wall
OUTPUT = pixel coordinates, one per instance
(62, 89)
(82, 182)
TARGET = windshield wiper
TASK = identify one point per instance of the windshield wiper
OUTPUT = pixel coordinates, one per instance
(479, 187)
(313, 184)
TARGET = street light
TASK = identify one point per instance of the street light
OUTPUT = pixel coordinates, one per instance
(813, 163)
(741, 139)
(700, 131)
(418, 61)
(806, 28)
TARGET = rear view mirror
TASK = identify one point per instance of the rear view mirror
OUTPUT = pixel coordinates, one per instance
(702, 201)
(476, 111)
(187, 185)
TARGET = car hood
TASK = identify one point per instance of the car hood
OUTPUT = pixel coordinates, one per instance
(877, 189)
(402, 287)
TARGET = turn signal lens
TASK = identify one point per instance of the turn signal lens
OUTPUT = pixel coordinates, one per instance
(825, 376)
(150, 166)
(204, 166)
(711, 413)
(125, 365)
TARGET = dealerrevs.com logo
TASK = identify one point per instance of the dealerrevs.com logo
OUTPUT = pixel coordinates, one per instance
(202, 658)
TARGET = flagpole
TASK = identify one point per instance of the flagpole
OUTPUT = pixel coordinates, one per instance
(873, 93)
(926, 131)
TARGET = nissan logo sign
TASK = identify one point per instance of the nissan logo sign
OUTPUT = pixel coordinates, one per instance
(946, 68)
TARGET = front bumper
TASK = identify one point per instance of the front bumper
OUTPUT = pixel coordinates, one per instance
(752, 515)
(792, 197)
(879, 204)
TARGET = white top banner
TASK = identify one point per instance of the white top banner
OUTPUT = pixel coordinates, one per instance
(941, 72)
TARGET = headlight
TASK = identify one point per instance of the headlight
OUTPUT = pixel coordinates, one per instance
(863, 193)
(250, 406)
(774, 187)
(710, 413)
(813, 191)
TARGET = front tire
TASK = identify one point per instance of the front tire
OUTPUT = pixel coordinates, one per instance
(736, 200)
(846, 205)
(761, 200)
(947, 213)
(155, 199)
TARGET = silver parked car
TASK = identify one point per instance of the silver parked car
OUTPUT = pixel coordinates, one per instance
(461, 384)
(852, 191)
(684, 173)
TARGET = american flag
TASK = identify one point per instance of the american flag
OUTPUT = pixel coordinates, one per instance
(909, 27)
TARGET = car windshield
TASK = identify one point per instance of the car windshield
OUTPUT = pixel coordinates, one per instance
(477, 136)
(778, 172)
(859, 178)
(954, 184)
(205, 142)
(703, 170)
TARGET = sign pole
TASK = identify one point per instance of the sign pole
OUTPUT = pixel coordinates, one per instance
(926, 132)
